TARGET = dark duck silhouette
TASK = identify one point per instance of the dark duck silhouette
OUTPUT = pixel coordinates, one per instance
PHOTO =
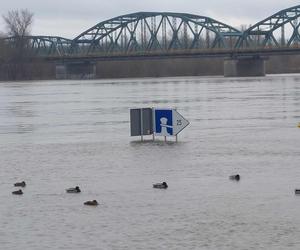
(20, 184)
(162, 185)
(235, 177)
(73, 190)
(18, 192)
(91, 203)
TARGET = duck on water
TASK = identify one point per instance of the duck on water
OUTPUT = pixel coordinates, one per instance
(73, 190)
(91, 203)
(235, 177)
(18, 192)
(20, 184)
(162, 185)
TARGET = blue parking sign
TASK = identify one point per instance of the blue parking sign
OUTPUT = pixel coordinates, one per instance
(163, 122)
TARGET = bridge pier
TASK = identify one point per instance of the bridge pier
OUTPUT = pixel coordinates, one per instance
(239, 67)
(77, 70)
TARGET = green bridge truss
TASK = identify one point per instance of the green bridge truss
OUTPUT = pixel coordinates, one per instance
(41, 45)
(155, 32)
(278, 30)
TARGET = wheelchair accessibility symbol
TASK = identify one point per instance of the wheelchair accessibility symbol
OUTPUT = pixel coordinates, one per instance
(163, 122)
(168, 122)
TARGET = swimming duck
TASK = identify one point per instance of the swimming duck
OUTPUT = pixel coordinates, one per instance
(160, 185)
(299, 125)
(20, 184)
(235, 177)
(18, 192)
(297, 191)
(73, 190)
(91, 203)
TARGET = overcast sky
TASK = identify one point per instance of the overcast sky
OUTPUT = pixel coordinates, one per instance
(69, 18)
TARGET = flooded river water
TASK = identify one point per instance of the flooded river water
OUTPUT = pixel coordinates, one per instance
(59, 134)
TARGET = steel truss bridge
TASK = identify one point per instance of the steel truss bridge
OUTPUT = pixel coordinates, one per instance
(166, 32)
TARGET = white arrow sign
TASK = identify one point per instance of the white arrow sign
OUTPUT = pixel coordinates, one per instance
(179, 122)
(168, 122)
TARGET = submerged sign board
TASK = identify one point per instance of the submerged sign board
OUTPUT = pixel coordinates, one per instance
(141, 122)
(160, 122)
(168, 122)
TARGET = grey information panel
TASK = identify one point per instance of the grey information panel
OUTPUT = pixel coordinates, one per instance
(141, 122)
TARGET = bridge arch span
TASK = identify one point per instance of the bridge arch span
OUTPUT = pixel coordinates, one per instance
(42, 45)
(279, 30)
(155, 31)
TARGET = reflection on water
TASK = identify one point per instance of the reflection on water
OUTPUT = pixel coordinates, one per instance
(59, 134)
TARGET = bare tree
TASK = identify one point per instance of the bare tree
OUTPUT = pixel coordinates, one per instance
(16, 52)
(18, 22)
